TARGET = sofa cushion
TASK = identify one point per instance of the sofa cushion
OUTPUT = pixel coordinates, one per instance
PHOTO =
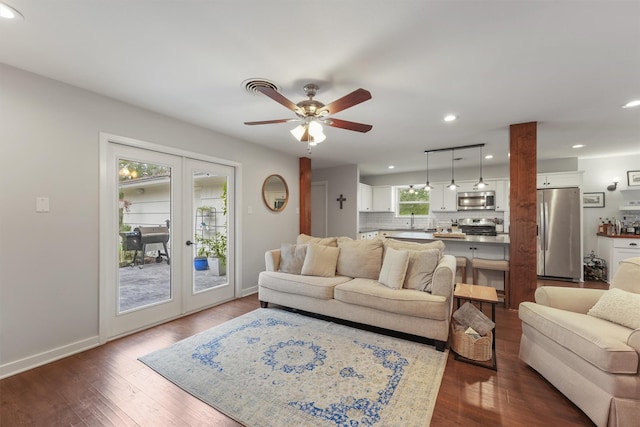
(320, 261)
(370, 293)
(360, 258)
(310, 286)
(292, 258)
(394, 268)
(598, 341)
(325, 241)
(618, 306)
(420, 270)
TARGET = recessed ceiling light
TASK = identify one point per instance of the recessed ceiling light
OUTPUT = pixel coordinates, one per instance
(577, 146)
(634, 103)
(450, 118)
(391, 166)
(489, 156)
(7, 12)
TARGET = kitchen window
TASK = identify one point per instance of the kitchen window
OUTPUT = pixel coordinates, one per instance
(412, 200)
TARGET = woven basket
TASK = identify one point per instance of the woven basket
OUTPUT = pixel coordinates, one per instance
(465, 346)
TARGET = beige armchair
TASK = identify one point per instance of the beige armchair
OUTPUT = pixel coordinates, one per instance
(592, 359)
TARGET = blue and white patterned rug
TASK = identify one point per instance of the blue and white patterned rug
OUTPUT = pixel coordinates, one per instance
(276, 368)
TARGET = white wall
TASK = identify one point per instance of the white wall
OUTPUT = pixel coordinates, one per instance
(341, 180)
(49, 146)
(598, 174)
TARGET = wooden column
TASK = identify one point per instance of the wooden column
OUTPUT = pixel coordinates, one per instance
(522, 231)
(305, 195)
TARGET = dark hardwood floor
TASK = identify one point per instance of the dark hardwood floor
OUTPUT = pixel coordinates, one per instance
(107, 386)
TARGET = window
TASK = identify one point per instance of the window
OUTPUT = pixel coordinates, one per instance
(412, 200)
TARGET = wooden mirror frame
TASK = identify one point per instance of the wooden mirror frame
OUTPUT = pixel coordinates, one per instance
(273, 207)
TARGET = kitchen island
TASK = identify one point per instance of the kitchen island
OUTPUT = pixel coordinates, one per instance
(487, 247)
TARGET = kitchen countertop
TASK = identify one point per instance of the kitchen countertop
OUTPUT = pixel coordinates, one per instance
(620, 236)
(501, 239)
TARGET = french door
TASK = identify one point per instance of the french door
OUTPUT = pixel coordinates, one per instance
(166, 236)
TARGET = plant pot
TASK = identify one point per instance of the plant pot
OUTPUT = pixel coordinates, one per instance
(200, 264)
(217, 268)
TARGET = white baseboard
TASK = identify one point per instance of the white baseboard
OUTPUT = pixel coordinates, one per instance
(250, 291)
(15, 367)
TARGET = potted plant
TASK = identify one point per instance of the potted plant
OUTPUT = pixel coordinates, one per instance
(218, 254)
(202, 254)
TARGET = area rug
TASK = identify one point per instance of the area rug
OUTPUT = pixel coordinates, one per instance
(272, 367)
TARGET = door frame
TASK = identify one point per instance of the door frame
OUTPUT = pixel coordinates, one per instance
(105, 229)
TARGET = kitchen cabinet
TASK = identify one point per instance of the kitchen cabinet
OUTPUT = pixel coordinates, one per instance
(615, 249)
(559, 179)
(502, 195)
(365, 198)
(383, 198)
(467, 186)
(443, 199)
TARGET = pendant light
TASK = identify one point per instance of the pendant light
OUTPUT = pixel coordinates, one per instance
(453, 185)
(428, 187)
(480, 183)
(411, 189)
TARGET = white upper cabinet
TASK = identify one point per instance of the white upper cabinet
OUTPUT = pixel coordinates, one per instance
(467, 186)
(383, 199)
(559, 180)
(442, 199)
(365, 198)
(502, 194)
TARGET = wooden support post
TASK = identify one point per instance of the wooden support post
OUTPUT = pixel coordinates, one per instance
(305, 195)
(522, 230)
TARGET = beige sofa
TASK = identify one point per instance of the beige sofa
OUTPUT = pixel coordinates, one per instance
(373, 282)
(591, 358)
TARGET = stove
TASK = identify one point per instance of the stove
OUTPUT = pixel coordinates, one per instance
(477, 227)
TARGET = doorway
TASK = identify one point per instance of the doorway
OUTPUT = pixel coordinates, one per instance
(167, 227)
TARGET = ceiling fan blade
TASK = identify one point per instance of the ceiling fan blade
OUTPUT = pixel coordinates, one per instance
(347, 101)
(344, 124)
(268, 122)
(276, 96)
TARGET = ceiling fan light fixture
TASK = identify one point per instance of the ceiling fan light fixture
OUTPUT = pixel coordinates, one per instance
(8, 12)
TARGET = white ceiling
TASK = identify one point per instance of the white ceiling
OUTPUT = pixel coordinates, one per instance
(567, 64)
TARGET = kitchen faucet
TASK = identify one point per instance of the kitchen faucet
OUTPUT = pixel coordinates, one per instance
(412, 220)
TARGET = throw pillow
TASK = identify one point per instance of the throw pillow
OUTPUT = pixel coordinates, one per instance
(469, 316)
(619, 307)
(360, 258)
(422, 265)
(394, 268)
(325, 241)
(320, 261)
(414, 246)
(292, 258)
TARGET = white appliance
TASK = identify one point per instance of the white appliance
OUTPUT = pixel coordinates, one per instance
(559, 237)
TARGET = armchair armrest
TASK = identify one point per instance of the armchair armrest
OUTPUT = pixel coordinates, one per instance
(272, 260)
(634, 340)
(578, 300)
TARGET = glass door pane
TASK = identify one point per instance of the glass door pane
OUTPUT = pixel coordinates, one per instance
(210, 230)
(209, 269)
(144, 212)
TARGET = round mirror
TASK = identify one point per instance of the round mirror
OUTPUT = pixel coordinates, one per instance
(275, 193)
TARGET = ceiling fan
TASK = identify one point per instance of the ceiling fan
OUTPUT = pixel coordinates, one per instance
(313, 113)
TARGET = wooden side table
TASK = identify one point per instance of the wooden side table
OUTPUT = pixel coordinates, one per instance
(479, 294)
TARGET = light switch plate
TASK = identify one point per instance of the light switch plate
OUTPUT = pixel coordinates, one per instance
(42, 204)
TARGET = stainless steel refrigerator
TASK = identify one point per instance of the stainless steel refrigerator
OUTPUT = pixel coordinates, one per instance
(559, 234)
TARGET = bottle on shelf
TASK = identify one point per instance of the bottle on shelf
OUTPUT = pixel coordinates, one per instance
(600, 226)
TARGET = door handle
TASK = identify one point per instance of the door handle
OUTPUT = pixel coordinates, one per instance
(189, 243)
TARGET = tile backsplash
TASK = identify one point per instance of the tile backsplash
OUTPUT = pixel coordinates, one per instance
(388, 220)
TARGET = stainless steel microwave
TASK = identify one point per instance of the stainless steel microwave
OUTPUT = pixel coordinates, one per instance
(477, 200)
